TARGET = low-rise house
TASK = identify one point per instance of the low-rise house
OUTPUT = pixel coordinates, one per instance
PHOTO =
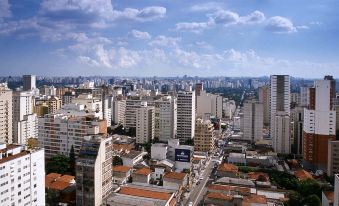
(142, 175)
(227, 170)
(63, 186)
(175, 180)
(121, 174)
(136, 195)
(302, 175)
(132, 158)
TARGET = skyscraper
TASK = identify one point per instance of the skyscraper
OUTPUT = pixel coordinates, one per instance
(280, 113)
(29, 82)
(186, 115)
(6, 134)
(165, 118)
(253, 120)
(319, 123)
(264, 98)
(144, 123)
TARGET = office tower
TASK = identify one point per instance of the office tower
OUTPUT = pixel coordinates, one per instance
(186, 115)
(280, 113)
(198, 88)
(204, 136)
(59, 132)
(22, 173)
(165, 118)
(54, 104)
(6, 134)
(94, 171)
(145, 123)
(28, 128)
(297, 122)
(29, 82)
(264, 98)
(130, 113)
(119, 111)
(209, 104)
(333, 158)
(253, 120)
(319, 123)
(22, 106)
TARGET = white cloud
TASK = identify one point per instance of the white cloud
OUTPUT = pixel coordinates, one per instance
(139, 34)
(145, 14)
(195, 27)
(226, 17)
(254, 17)
(280, 24)
(165, 41)
(5, 9)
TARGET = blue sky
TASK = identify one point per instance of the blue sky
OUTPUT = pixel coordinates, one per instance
(169, 38)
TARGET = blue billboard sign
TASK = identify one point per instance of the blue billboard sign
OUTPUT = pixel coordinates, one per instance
(182, 155)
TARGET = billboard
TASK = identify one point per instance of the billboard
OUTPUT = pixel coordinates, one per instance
(182, 155)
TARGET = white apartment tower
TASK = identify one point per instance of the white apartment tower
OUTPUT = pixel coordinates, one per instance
(165, 118)
(119, 111)
(280, 100)
(130, 113)
(186, 115)
(209, 104)
(144, 123)
(58, 132)
(29, 82)
(94, 171)
(6, 134)
(253, 120)
(28, 128)
(22, 175)
(22, 106)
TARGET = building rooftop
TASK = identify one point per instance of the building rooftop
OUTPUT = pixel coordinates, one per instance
(227, 168)
(220, 196)
(259, 176)
(143, 171)
(121, 168)
(226, 188)
(254, 199)
(175, 175)
(144, 193)
(303, 175)
(133, 154)
(59, 182)
(329, 195)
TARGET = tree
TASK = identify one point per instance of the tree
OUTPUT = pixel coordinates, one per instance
(311, 200)
(117, 161)
(32, 143)
(132, 132)
(294, 198)
(148, 146)
(309, 187)
(72, 161)
(52, 197)
(189, 142)
(58, 164)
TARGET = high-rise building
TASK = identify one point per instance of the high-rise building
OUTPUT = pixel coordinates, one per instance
(59, 132)
(253, 120)
(28, 128)
(264, 98)
(22, 173)
(199, 87)
(130, 113)
(54, 104)
(209, 104)
(145, 123)
(29, 82)
(333, 158)
(22, 106)
(304, 96)
(336, 190)
(297, 122)
(280, 113)
(6, 134)
(319, 123)
(119, 111)
(204, 136)
(68, 97)
(94, 171)
(165, 118)
(186, 115)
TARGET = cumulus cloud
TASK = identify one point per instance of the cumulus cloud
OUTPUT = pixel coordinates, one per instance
(280, 24)
(254, 17)
(210, 6)
(139, 34)
(165, 41)
(195, 27)
(145, 14)
(5, 9)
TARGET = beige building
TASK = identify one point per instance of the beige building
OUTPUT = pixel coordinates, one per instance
(165, 118)
(209, 104)
(119, 111)
(94, 171)
(333, 158)
(253, 120)
(144, 123)
(264, 98)
(54, 104)
(5, 114)
(204, 136)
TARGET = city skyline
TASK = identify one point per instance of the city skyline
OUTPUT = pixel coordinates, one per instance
(148, 38)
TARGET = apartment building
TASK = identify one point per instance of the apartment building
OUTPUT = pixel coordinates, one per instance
(204, 136)
(28, 128)
(6, 134)
(209, 104)
(144, 123)
(186, 115)
(22, 175)
(165, 118)
(94, 171)
(253, 120)
(264, 98)
(119, 111)
(333, 158)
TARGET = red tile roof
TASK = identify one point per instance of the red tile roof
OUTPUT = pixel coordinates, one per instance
(175, 175)
(143, 171)
(121, 168)
(221, 196)
(303, 175)
(227, 168)
(145, 193)
(258, 175)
